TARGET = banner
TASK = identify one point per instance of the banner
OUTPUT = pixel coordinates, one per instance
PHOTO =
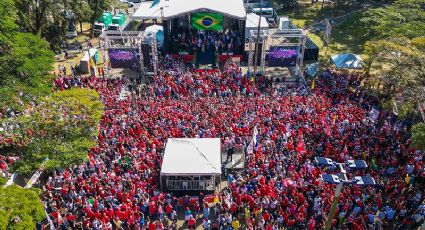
(328, 31)
(37, 174)
(253, 142)
(207, 21)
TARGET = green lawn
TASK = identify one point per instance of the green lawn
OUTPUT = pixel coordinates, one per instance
(345, 37)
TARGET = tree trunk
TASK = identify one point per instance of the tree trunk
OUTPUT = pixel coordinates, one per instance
(92, 29)
(39, 16)
(93, 18)
(81, 27)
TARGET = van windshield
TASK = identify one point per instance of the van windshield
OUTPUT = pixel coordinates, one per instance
(98, 27)
(113, 28)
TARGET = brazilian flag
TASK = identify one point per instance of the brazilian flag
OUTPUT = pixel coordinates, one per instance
(207, 21)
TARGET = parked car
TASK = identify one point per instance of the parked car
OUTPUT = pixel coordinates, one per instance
(129, 4)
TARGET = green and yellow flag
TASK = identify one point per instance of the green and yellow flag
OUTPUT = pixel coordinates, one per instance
(207, 21)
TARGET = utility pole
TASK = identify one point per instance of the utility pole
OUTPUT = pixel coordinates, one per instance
(334, 205)
(341, 179)
(258, 40)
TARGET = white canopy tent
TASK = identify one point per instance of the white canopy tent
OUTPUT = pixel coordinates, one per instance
(147, 11)
(191, 164)
(176, 8)
(252, 24)
(192, 156)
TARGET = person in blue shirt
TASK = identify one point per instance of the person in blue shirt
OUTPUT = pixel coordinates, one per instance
(371, 218)
(356, 210)
(381, 215)
(142, 220)
(230, 178)
(390, 214)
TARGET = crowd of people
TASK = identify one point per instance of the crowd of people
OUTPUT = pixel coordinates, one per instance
(279, 187)
(228, 41)
(174, 82)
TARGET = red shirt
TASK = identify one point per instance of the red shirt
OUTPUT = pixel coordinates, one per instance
(266, 216)
(191, 222)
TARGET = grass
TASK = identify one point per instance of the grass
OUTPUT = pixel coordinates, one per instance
(345, 36)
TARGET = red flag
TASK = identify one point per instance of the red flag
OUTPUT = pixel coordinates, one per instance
(343, 152)
(301, 146)
(328, 130)
(60, 220)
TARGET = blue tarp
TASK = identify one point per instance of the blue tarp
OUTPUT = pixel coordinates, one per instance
(347, 61)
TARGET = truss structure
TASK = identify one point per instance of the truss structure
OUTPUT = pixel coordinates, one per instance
(279, 37)
(129, 39)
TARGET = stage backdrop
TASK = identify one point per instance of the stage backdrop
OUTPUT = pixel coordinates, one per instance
(282, 56)
(207, 21)
(124, 58)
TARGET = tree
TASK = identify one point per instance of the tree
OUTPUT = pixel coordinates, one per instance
(82, 11)
(43, 18)
(395, 62)
(418, 136)
(33, 14)
(289, 4)
(399, 71)
(20, 208)
(97, 8)
(61, 128)
(25, 62)
(404, 18)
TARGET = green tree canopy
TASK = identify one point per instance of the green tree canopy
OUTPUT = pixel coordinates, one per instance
(97, 8)
(399, 71)
(61, 128)
(418, 136)
(82, 11)
(20, 208)
(25, 62)
(404, 18)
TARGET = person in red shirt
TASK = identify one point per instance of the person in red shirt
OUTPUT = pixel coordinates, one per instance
(266, 216)
(168, 210)
(291, 222)
(191, 223)
(152, 208)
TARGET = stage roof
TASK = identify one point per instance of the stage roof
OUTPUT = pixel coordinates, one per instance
(252, 21)
(192, 156)
(147, 11)
(177, 8)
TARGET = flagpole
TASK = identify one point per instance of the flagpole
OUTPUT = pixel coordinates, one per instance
(258, 40)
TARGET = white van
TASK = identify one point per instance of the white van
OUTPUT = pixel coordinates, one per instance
(99, 27)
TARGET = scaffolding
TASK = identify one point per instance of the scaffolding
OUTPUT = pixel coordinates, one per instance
(129, 39)
(278, 37)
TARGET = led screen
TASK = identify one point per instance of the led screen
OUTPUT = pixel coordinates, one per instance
(282, 56)
(124, 58)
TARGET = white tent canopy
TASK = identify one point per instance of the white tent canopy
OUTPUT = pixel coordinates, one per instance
(147, 11)
(252, 23)
(177, 8)
(192, 156)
